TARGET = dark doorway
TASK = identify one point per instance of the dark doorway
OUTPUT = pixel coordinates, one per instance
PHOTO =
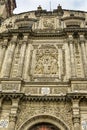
(44, 126)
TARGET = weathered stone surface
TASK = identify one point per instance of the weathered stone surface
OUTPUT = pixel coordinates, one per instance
(43, 69)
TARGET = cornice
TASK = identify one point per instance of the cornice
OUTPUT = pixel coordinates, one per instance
(77, 95)
(11, 95)
(73, 18)
(38, 33)
(58, 97)
(75, 30)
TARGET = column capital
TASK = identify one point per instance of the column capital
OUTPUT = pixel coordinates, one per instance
(25, 39)
(14, 39)
(82, 38)
(5, 42)
(70, 38)
(75, 103)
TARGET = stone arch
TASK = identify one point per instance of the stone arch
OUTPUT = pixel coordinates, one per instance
(44, 119)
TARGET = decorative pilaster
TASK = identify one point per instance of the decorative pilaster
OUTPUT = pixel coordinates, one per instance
(60, 62)
(27, 62)
(13, 114)
(73, 71)
(0, 105)
(84, 59)
(2, 51)
(67, 58)
(76, 114)
(22, 54)
(8, 58)
(12, 121)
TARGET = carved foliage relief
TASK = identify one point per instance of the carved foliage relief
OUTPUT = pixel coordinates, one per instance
(60, 110)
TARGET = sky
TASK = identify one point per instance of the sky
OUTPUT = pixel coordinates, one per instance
(29, 5)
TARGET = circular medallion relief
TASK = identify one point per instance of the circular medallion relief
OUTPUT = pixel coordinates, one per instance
(84, 125)
(45, 90)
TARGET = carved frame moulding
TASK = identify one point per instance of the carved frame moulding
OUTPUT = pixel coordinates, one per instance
(46, 119)
(45, 62)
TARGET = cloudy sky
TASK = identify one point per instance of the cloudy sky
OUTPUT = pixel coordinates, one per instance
(27, 5)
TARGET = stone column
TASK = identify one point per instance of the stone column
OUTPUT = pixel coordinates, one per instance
(13, 114)
(2, 51)
(67, 59)
(22, 56)
(73, 70)
(84, 59)
(8, 58)
(27, 62)
(0, 105)
(60, 62)
(76, 114)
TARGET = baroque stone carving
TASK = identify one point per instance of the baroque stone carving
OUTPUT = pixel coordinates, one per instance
(46, 61)
(31, 109)
(16, 62)
(78, 59)
(49, 23)
(10, 87)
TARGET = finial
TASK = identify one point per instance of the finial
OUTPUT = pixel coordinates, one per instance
(39, 7)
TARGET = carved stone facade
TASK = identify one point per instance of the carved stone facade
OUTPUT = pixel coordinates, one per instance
(43, 70)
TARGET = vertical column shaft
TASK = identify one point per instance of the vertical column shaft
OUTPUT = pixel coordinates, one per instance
(60, 63)
(67, 58)
(27, 62)
(2, 52)
(83, 54)
(8, 58)
(73, 71)
(22, 58)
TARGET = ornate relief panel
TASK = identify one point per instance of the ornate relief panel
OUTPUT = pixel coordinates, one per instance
(45, 63)
(57, 109)
(49, 23)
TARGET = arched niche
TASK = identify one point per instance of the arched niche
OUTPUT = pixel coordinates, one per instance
(44, 119)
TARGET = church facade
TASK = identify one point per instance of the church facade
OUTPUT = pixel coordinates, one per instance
(43, 69)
